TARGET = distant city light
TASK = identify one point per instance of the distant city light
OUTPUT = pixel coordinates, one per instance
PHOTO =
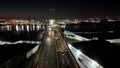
(52, 21)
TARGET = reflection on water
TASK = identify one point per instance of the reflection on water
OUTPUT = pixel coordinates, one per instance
(22, 27)
(12, 32)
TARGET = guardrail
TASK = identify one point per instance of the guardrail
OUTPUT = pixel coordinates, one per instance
(83, 60)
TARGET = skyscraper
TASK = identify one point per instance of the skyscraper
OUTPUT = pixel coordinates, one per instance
(52, 13)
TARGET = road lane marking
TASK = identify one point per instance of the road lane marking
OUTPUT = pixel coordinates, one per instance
(46, 62)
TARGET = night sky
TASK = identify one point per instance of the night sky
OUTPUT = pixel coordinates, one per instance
(64, 8)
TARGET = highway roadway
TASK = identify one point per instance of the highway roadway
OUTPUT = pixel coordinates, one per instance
(48, 55)
(65, 59)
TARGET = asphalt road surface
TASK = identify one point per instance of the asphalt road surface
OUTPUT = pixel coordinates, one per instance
(48, 55)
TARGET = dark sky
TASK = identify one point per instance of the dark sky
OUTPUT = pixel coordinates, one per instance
(64, 8)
